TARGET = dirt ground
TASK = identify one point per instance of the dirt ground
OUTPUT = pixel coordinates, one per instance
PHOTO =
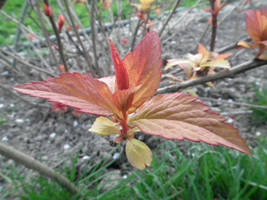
(53, 138)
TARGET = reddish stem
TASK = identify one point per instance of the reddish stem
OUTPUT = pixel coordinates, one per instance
(214, 25)
(124, 125)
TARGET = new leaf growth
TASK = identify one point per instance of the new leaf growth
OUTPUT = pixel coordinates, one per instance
(126, 104)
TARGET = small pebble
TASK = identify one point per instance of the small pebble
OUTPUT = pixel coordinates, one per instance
(116, 156)
(86, 158)
(5, 73)
(45, 158)
(124, 176)
(1, 105)
(66, 146)
(75, 123)
(12, 115)
(52, 135)
(19, 121)
(11, 105)
(230, 120)
(4, 139)
(141, 137)
(258, 133)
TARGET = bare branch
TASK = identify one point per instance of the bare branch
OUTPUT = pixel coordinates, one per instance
(14, 20)
(31, 163)
(17, 57)
(85, 53)
(220, 75)
(10, 90)
(19, 30)
(59, 43)
(213, 26)
(93, 11)
(135, 34)
(234, 103)
(170, 16)
(44, 30)
(231, 46)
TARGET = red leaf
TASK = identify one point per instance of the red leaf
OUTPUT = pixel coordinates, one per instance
(144, 68)
(178, 117)
(257, 24)
(123, 99)
(81, 92)
(122, 80)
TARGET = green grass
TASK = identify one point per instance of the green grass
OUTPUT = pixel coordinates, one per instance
(204, 173)
(259, 115)
(2, 120)
(188, 3)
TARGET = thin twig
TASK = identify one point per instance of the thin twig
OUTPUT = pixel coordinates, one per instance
(93, 9)
(14, 20)
(169, 17)
(17, 57)
(241, 112)
(35, 165)
(204, 33)
(10, 90)
(185, 18)
(231, 46)
(146, 21)
(233, 102)
(44, 30)
(59, 43)
(8, 64)
(85, 53)
(135, 34)
(102, 27)
(18, 34)
(213, 26)
(220, 75)
(119, 7)
(74, 43)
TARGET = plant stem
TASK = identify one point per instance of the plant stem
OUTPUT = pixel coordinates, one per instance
(252, 64)
(213, 26)
(135, 34)
(45, 32)
(170, 16)
(14, 55)
(18, 34)
(60, 46)
(93, 9)
(124, 125)
(35, 165)
(85, 53)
